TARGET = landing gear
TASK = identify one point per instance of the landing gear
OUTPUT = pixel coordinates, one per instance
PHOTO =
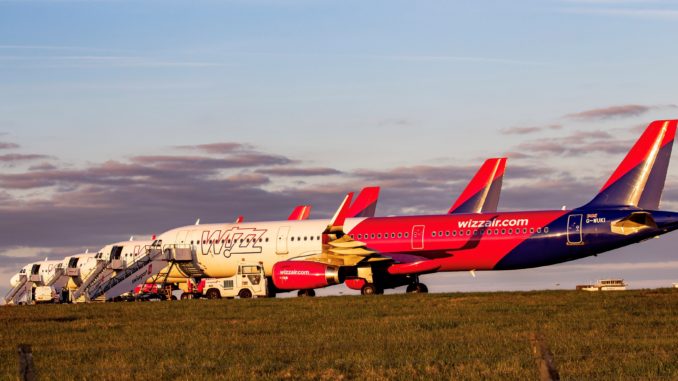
(371, 289)
(309, 292)
(417, 288)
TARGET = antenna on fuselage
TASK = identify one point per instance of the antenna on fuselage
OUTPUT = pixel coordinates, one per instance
(197, 222)
(564, 207)
(86, 251)
(131, 238)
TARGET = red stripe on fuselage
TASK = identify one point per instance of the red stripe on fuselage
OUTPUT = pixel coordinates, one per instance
(452, 250)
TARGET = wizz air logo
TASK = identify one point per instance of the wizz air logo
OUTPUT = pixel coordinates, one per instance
(477, 224)
(232, 241)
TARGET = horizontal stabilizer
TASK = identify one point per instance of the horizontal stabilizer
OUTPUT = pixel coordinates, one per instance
(633, 223)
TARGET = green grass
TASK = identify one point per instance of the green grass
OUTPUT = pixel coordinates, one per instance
(593, 336)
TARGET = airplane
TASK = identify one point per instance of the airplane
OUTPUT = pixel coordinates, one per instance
(218, 249)
(373, 254)
(44, 273)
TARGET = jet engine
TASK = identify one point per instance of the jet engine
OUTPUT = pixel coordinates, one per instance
(303, 275)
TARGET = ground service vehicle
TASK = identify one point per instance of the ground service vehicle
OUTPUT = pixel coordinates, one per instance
(248, 282)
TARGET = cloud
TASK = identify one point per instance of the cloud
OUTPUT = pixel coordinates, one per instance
(301, 172)
(43, 167)
(579, 142)
(18, 157)
(217, 148)
(201, 163)
(528, 130)
(612, 112)
(395, 122)
(5, 145)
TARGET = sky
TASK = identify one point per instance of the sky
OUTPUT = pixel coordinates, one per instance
(121, 118)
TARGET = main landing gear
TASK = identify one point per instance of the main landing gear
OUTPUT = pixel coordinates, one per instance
(417, 288)
(371, 289)
(309, 292)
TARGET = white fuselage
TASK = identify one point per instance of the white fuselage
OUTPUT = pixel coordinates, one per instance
(46, 271)
(220, 248)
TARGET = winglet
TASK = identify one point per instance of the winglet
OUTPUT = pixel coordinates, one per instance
(301, 212)
(639, 179)
(365, 205)
(482, 193)
(337, 222)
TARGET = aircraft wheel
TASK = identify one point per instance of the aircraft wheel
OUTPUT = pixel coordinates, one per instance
(213, 293)
(370, 289)
(310, 292)
(245, 294)
(417, 288)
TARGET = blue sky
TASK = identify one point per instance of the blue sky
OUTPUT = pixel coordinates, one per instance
(410, 95)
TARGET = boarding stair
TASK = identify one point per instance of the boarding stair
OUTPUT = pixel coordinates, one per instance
(154, 261)
(185, 258)
(18, 291)
(56, 278)
(97, 275)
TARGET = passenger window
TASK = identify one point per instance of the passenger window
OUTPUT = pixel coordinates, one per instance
(538, 230)
(447, 233)
(305, 238)
(407, 235)
(524, 230)
(379, 235)
(360, 236)
(292, 238)
(489, 231)
(510, 231)
(531, 230)
(266, 239)
(433, 234)
(454, 233)
(468, 232)
(392, 235)
(546, 230)
(400, 235)
(372, 235)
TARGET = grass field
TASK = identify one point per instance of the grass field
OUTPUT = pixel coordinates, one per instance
(593, 336)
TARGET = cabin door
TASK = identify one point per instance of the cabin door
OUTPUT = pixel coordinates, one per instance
(281, 241)
(574, 230)
(418, 237)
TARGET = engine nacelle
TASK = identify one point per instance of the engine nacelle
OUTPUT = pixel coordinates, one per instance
(303, 275)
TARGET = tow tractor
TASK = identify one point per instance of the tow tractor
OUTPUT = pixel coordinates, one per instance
(250, 281)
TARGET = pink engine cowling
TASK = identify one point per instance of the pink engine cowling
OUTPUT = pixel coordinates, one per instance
(304, 275)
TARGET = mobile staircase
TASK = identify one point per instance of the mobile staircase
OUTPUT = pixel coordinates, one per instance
(17, 292)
